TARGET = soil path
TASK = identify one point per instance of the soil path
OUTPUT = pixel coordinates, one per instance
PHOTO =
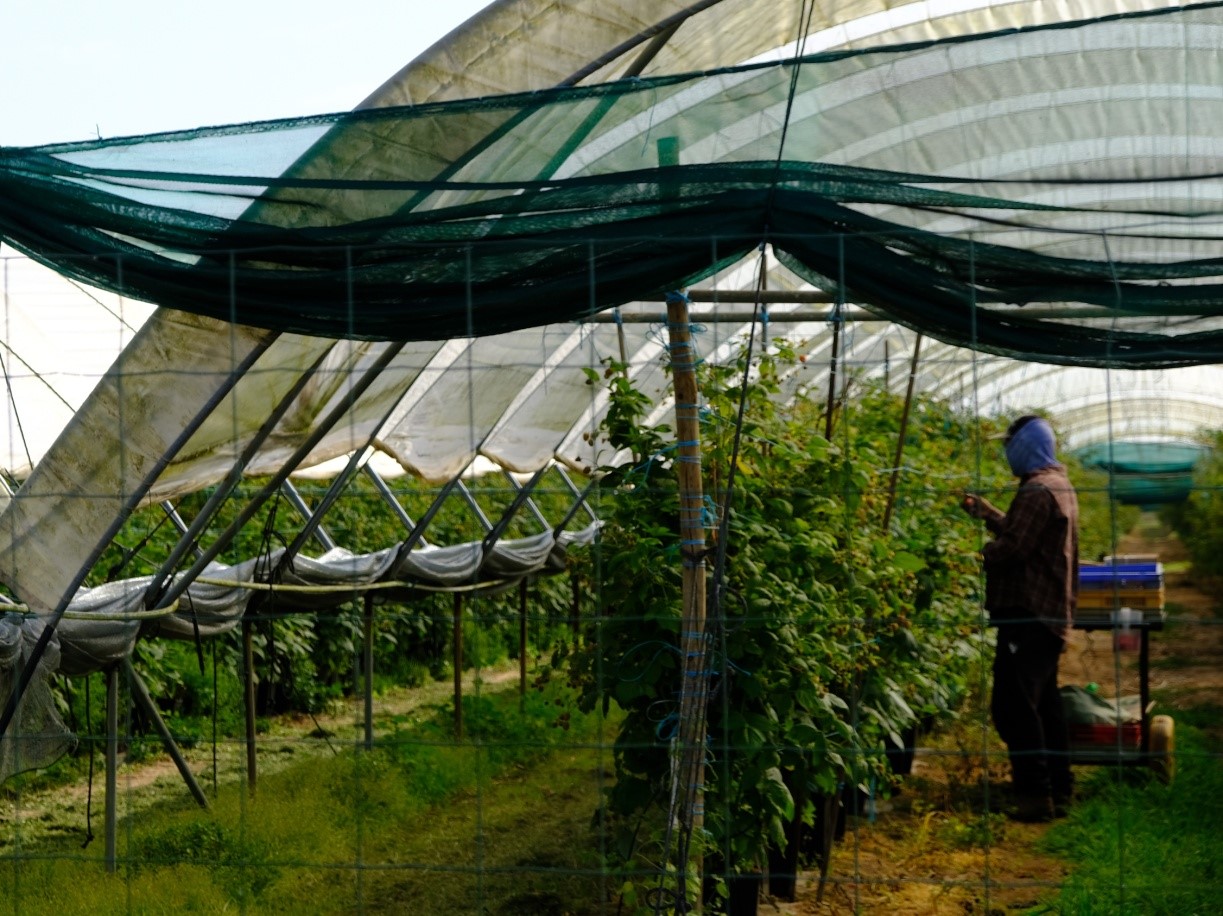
(939, 847)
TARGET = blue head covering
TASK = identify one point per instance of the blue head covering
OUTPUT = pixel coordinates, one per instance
(1030, 446)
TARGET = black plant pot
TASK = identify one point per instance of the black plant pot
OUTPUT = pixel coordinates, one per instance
(742, 891)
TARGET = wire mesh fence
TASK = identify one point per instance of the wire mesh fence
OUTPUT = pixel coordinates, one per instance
(334, 626)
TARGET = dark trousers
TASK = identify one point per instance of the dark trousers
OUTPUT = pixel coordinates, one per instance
(1027, 708)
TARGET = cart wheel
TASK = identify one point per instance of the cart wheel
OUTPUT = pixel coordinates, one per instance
(1163, 747)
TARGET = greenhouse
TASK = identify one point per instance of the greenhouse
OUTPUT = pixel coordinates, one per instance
(587, 415)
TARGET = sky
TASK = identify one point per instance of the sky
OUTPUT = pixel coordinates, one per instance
(73, 70)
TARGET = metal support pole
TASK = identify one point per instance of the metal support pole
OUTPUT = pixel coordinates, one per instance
(177, 520)
(203, 518)
(367, 669)
(111, 828)
(473, 505)
(248, 677)
(579, 499)
(255, 503)
(522, 637)
(900, 437)
(298, 502)
(530, 503)
(457, 661)
(1144, 688)
(832, 374)
(140, 693)
(575, 619)
(314, 518)
(130, 501)
(522, 495)
(389, 497)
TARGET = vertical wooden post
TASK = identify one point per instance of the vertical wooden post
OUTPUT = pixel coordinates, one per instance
(693, 693)
(248, 677)
(900, 439)
(522, 637)
(457, 661)
(112, 768)
(367, 668)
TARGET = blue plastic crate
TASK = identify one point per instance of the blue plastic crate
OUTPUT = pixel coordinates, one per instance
(1122, 575)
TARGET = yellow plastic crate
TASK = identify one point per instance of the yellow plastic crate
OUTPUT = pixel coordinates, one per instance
(1110, 599)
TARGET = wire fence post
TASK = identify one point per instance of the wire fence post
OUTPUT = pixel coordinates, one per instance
(457, 661)
(248, 677)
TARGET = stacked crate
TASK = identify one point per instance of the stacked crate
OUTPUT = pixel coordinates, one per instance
(1125, 595)
(1121, 582)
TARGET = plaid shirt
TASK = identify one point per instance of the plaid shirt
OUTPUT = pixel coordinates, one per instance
(1032, 564)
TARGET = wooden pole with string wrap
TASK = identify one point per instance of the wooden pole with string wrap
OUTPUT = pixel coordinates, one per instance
(689, 773)
(690, 750)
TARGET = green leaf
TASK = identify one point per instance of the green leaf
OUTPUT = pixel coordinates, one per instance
(909, 562)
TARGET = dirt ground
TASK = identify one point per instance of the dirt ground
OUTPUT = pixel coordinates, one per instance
(937, 848)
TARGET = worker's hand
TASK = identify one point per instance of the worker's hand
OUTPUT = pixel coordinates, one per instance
(974, 505)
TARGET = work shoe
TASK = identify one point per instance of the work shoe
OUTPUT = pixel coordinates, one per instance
(1032, 809)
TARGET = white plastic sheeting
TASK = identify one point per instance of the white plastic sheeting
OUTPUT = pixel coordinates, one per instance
(37, 736)
(101, 625)
(162, 423)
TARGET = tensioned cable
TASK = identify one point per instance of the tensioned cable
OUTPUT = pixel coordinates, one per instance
(804, 26)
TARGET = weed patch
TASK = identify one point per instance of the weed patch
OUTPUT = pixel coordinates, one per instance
(1143, 847)
(499, 822)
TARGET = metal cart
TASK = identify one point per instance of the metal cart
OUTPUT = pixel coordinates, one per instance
(1125, 596)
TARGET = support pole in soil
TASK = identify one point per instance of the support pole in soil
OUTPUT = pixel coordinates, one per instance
(522, 637)
(575, 622)
(140, 694)
(691, 750)
(900, 438)
(457, 661)
(832, 372)
(367, 668)
(248, 679)
(112, 766)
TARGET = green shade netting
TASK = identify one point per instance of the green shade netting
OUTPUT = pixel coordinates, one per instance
(1143, 457)
(1145, 473)
(1150, 490)
(1050, 193)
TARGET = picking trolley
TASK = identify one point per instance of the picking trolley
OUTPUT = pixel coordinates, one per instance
(1124, 595)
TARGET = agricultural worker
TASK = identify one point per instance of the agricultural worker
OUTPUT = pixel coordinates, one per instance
(1031, 585)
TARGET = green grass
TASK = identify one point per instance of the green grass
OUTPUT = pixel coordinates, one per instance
(1143, 847)
(500, 823)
